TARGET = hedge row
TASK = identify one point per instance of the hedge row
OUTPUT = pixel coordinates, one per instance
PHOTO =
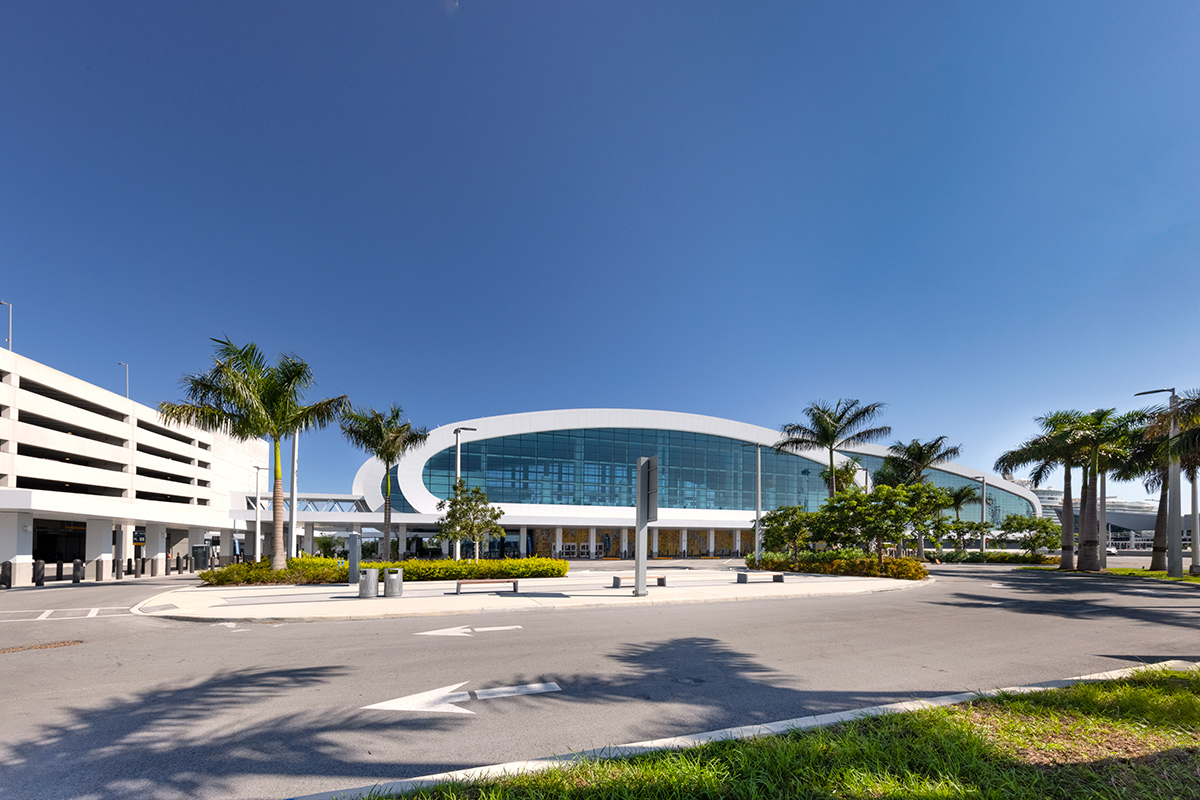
(988, 557)
(905, 569)
(326, 570)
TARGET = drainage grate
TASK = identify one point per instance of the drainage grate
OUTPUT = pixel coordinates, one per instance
(163, 607)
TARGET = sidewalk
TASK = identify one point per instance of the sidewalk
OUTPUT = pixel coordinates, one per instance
(583, 587)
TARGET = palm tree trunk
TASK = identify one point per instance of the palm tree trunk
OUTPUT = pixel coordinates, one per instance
(832, 475)
(387, 525)
(1089, 556)
(278, 556)
(1068, 522)
(1158, 555)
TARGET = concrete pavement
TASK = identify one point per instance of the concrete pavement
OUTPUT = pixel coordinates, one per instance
(583, 587)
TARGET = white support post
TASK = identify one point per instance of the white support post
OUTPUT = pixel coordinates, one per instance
(592, 543)
(310, 537)
(712, 542)
(654, 542)
(558, 542)
(683, 547)
(156, 546)
(624, 541)
(97, 547)
(523, 544)
(737, 541)
(16, 545)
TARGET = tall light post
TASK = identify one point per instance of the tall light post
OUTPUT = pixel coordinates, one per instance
(1174, 512)
(256, 551)
(757, 501)
(457, 478)
(2, 303)
(982, 510)
(126, 366)
(1195, 567)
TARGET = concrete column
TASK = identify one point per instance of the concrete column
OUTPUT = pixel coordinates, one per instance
(445, 547)
(97, 547)
(624, 541)
(558, 542)
(195, 537)
(737, 541)
(310, 536)
(592, 543)
(712, 542)
(402, 538)
(156, 547)
(226, 556)
(523, 545)
(654, 542)
(683, 548)
(16, 545)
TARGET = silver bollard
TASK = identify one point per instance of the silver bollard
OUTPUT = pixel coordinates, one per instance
(393, 583)
(368, 582)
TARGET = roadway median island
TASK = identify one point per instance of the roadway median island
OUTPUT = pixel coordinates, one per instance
(314, 571)
(1125, 735)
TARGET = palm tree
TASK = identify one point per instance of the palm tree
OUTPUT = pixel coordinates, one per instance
(387, 437)
(832, 426)
(912, 459)
(1056, 445)
(244, 396)
(1105, 437)
(959, 497)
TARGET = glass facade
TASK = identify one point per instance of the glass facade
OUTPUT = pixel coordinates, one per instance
(1000, 502)
(598, 467)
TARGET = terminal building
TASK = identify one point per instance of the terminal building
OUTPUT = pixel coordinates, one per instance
(85, 473)
(565, 480)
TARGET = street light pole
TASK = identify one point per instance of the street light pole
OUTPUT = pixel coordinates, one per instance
(1174, 511)
(457, 478)
(757, 501)
(2, 303)
(126, 366)
(982, 510)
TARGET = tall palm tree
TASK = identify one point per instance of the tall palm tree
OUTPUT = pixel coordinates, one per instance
(912, 459)
(244, 396)
(1105, 437)
(1056, 445)
(387, 437)
(831, 426)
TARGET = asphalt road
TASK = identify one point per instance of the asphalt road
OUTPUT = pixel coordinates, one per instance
(153, 708)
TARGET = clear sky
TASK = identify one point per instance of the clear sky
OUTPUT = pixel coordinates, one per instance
(974, 212)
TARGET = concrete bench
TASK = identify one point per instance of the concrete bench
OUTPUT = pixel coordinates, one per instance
(744, 577)
(661, 580)
(478, 581)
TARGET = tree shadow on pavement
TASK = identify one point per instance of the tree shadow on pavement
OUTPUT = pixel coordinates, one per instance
(171, 742)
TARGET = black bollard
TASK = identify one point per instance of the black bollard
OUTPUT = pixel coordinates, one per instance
(154, 568)
(6, 575)
(76, 571)
(118, 569)
(137, 568)
(58, 572)
(178, 565)
(39, 573)
(99, 570)
(129, 565)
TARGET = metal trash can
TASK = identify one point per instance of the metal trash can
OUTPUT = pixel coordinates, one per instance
(368, 582)
(393, 583)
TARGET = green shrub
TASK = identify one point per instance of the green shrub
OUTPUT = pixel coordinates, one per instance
(989, 557)
(326, 570)
(847, 562)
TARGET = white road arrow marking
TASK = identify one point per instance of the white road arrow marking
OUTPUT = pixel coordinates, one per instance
(466, 630)
(442, 700)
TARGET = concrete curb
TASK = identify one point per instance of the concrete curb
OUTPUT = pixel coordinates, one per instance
(743, 732)
(610, 603)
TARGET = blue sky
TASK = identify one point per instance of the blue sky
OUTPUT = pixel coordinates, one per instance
(974, 212)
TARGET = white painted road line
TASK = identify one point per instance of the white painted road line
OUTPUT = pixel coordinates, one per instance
(93, 612)
(441, 701)
(466, 630)
(44, 615)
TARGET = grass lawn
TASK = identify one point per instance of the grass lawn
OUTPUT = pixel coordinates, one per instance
(1129, 738)
(1125, 572)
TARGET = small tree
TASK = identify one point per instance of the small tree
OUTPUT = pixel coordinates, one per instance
(869, 518)
(469, 515)
(961, 530)
(790, 527)
(927, 502)
(1032, 533)
(327, 546)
